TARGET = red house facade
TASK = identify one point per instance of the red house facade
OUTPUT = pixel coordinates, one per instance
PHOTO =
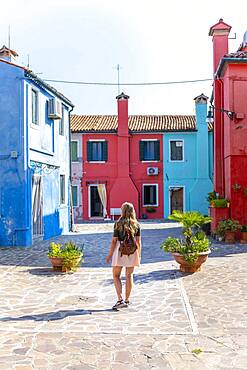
(120, 164)
(230, 123)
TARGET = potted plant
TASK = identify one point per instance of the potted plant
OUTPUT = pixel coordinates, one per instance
(220, 203)
(54, 254)
(65, 258)
(193, 249)
(227, 229)
(243, 234)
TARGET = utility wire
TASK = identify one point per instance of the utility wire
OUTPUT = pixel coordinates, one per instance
(128, 84)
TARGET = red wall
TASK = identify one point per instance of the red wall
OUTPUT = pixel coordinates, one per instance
(122, 186)
(139, 175)
(235, 140)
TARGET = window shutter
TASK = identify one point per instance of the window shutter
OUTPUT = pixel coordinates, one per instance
(105, 151)
(157, 150)
(74, 151)
(89, 151)
(141, 150)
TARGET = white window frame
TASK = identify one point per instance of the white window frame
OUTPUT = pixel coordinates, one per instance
(155, 161)
(98, 140)
(175, 160)
(157, 195)
(76, 140)
(89, 202)
(62, 204)
(77, 191)
(35, 125)
(169, 199)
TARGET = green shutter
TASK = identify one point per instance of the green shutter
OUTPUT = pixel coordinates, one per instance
(89, 151)
(74, 151)
(141, 147)
(105, 151)
(157, 150)
(74, 196)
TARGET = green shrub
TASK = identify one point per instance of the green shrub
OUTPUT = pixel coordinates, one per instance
(194, 241)
(220, 203)
(227, 225)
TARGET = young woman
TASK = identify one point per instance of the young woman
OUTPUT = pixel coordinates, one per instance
(127, 223)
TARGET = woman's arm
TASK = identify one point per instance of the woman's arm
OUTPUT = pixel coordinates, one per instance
(139, 245)
(111, 250)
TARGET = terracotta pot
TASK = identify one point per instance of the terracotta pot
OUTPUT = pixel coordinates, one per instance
(230, 237)
(73, 265)
(243, 237)
(56, 263)
(191, 267)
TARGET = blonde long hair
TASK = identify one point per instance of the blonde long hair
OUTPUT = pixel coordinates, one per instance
(127, 220)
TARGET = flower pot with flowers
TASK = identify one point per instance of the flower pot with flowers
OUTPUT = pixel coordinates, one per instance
(227, 229)
(191, 251)
(243, 234)
(65, 258)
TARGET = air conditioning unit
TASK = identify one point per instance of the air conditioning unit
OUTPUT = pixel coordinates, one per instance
(54, 109)
(151, 171)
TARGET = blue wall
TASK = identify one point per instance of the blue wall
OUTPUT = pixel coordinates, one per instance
(194, 173)
(40, 146)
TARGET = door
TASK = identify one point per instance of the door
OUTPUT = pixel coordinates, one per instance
(96, 206)
(37, 206)
(176, 199)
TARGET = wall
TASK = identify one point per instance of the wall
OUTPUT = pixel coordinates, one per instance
(34, 146)
(77, 172)
(138, 172)
(94, 173)
(194, 172)
(15, 224)
(235, 143)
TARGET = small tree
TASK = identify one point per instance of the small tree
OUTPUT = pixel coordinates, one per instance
(194, 241)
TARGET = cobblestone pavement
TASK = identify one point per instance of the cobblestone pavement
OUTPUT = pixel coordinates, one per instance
(50, 320)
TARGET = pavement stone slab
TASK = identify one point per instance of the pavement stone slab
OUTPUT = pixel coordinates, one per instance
(50, 320)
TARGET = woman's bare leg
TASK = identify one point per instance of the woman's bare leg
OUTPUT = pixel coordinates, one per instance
(129, 281)
(116, 271)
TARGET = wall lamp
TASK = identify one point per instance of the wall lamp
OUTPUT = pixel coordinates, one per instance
(210, 116)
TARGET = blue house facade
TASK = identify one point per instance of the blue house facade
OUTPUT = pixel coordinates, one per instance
(34, 156)
(188, 159)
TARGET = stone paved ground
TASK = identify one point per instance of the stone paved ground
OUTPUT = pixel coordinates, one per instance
(176, 321)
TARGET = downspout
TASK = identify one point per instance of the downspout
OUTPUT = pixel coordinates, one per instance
(70, 176)
(222, 134)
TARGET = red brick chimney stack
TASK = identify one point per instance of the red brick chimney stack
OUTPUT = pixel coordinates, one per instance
(123, 128)
(220, 32)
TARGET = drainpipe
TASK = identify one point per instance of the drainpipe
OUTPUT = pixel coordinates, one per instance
(70, 176)
(222, 135)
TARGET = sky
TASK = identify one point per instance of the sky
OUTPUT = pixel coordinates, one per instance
(152, 41)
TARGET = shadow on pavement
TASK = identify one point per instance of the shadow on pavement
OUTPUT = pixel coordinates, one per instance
(53, 316)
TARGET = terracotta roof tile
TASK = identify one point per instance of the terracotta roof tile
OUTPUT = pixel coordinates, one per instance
(137, 123)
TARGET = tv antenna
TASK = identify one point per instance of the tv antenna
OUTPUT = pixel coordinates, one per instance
(118, 76)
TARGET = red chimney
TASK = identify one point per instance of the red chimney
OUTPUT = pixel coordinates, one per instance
(220, 32)
(123, 189)
(123, 128)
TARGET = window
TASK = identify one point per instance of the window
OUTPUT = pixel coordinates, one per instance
(97, 151)
(176, 150)
(149, 150)
(74, 196)
(35, 107)
(62, 189)
(150, 195)
(61, 122)
(74, 151)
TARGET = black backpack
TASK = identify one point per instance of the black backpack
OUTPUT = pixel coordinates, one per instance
(128, 245)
